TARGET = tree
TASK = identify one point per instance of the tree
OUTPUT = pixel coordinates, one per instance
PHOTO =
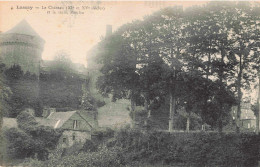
(256, 60)
(5, 93)
(19, 144)
(30, 139)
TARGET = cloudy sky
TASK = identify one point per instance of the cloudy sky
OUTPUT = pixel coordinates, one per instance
(75, 33)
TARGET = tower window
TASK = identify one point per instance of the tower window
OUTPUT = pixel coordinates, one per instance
(73, 137)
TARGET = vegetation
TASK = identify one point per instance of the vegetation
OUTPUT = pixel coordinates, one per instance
(30, 139)
(24, 89)
(181, 68)
(199, 58)
(136, 148)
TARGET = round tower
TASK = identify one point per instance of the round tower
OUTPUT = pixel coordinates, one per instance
(22, 46)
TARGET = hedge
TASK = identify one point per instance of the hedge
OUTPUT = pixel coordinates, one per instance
(192, 149)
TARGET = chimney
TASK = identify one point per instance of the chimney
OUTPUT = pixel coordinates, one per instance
(48, 111)
(108, 30)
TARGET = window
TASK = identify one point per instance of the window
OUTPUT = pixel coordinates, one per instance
(248, 125)
(64, 140)
(76, 124)
(73, 137)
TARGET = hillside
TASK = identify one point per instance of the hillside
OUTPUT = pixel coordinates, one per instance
(114, 114)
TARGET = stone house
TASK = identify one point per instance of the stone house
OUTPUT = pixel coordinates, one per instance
(247, 118)
(77, 125)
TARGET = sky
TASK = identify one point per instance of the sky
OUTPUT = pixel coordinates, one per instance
(76, 33)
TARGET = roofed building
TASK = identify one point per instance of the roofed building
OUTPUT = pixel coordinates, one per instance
(247, 117)
(76, 125)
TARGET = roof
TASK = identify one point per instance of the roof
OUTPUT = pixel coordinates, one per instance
(55, 119)
(46, 122)
(59, 118)
(88, 116)
(9, 122)
(23, 28)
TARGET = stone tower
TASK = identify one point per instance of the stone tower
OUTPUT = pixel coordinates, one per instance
(22, 46)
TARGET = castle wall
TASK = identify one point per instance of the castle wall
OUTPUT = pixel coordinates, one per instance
(23, 50)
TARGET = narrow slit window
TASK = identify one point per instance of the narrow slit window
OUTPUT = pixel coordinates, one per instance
(75, 124)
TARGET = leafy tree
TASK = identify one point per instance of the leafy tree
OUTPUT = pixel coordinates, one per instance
(19, 144)
(26, 121)
(25, 88)
(5, 92)
(30, 139)
(256, 60)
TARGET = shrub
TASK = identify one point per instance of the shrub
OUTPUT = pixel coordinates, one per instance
(102, 158)
(19, 144)
(192, 149)
(89, 146)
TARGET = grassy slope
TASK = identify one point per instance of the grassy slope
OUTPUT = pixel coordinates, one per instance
(114, 114)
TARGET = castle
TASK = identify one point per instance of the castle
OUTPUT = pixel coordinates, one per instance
(22, 46)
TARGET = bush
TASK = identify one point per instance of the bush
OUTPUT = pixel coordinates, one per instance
(19, 144)
(101, 135)
(192, 149)
(102, 158)
(30, 140)
(89, 146)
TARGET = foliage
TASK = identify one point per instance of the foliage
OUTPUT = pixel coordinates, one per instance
(191, 149)
(212, 46)
(61, 91)
(19, 144)
(255, 108)
(89, 146)
(5, 93)
(132, 147)
(101, 135)
(26, 121)
(103, 158)
(25, 91)
(31, 140)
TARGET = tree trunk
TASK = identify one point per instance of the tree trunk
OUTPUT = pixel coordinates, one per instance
(188, 123)
(133, 111)
(172, 108)
(258, 101)
(220, 126)
(239, 95)
(171, 112)
(146, 109)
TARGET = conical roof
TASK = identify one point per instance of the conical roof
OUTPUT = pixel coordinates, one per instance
(23, 28)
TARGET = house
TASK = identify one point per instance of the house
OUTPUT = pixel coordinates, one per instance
(77, 125)
(247, 117)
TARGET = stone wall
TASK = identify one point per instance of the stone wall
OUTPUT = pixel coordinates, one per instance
(23, 50)
(69, 137)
